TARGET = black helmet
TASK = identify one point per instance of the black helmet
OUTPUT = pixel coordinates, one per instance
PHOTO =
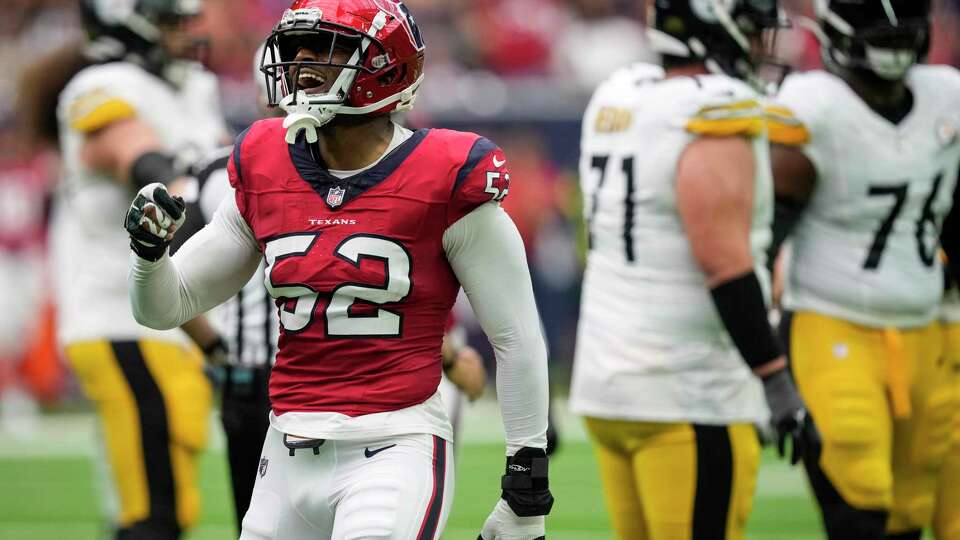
(882, 37)
(132, 30)
(717, 32)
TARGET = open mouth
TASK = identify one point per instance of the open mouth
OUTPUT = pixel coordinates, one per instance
(311, 82)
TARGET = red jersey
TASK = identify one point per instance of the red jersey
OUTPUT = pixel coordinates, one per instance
(23, 192)
(357, 265)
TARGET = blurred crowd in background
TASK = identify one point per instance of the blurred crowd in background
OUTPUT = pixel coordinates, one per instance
(518, 71)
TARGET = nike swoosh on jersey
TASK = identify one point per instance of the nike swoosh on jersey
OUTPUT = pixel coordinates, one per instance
(368, 453)
(497, 163)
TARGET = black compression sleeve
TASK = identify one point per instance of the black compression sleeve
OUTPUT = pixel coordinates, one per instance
(785, 217)
(744, 315)
(152, 167)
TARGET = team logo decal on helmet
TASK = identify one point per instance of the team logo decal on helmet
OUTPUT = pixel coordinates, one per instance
(365, 58)
(721, 33)
(882, 37)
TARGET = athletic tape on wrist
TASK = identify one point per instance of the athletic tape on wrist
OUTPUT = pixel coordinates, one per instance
(526, 485)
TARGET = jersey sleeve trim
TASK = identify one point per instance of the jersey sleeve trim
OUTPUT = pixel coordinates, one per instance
(783, 127)
(236, 155)
(481, 147)
(739, 118)
(96, 111)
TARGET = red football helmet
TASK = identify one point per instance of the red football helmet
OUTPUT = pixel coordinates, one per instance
(375, 44)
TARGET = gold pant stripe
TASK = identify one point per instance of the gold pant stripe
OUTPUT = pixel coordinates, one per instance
(897, 374)
(676, 481)
(153, 401)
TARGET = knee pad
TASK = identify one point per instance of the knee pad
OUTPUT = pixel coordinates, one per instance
(190, 410)
(854, 456)
(935, 432)
(150, 529)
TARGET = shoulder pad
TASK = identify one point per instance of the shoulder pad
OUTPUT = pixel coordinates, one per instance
(480, 173)
(249, 141)
(944, 80)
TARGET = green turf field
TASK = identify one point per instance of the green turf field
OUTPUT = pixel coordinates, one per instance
(54, 498)
(48, 487)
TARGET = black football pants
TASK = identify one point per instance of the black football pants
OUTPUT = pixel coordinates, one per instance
(244, 413)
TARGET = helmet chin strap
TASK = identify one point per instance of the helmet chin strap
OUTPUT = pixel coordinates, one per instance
(309, 116)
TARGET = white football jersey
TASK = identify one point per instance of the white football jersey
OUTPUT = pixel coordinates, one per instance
(950, 306)
(865, 249)
(90, 248)
(650, 344)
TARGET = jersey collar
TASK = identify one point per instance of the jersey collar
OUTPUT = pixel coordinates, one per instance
(337, 192)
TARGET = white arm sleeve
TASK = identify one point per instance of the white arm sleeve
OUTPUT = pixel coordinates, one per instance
(486, 253)
(210, 268)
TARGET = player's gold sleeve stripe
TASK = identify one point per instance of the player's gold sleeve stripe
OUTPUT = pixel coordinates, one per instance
(738, 118)
(86, 118)
(785, 128)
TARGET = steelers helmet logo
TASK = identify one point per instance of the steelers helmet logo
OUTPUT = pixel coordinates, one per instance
(947, 132)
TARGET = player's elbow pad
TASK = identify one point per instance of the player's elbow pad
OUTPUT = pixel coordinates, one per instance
(743, 312)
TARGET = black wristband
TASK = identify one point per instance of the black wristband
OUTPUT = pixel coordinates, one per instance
(526, 485)
(152, 167)
(216, 346)
(148, 253)
(744, 315)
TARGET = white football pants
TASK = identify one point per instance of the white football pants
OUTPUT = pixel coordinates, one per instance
(393, 488)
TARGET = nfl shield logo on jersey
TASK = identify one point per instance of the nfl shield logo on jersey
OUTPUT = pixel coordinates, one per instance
(263, 466)
(335, 196)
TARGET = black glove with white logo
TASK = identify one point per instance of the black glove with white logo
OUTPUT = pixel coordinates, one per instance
(526, 499)
(152, 219)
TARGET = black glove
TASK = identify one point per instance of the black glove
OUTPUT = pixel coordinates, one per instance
(526, 486)
(790, 418)
(152, 219)
(216, 352)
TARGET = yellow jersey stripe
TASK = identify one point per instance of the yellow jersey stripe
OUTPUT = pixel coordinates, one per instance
(727, 120)
(87, 116)
(785, 128)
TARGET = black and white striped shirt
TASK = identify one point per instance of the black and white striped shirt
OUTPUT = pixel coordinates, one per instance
(248, 321)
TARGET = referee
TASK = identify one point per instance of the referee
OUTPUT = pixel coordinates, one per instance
(250, 329)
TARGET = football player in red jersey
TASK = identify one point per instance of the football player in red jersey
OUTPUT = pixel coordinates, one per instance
(368, 231)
